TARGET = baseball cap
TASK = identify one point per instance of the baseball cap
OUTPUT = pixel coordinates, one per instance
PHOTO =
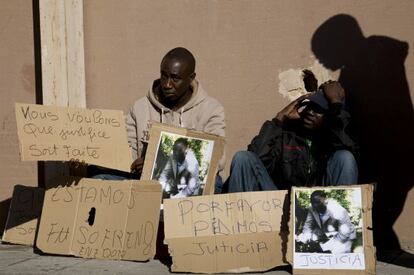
(319, 99)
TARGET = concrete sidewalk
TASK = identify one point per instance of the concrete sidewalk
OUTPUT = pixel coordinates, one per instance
(15, 259)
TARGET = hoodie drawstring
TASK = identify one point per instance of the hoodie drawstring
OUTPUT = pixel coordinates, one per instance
(181, 118)
(162, 114)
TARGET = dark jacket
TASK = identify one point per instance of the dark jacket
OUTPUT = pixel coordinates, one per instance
(293, 159)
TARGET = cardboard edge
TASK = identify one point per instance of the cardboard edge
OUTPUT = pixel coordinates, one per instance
(196, 269)
(155, 131)
(150, 186)
(369, 248)
(39, 191)
(118, 165)
(54, 183)
(233, 196)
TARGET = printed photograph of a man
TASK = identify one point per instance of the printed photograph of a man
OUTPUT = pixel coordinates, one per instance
(328, 221)
(181, 165)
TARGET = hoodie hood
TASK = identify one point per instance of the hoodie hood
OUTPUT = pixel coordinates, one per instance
(198, 96)
(201, 113)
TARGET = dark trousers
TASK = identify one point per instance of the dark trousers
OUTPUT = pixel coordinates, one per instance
(247, 172)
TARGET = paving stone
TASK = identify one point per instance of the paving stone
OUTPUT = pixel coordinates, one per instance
(16, 259)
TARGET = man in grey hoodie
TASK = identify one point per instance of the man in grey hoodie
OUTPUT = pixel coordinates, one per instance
(177, 99)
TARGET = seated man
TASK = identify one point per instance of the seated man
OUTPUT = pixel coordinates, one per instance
(176, 98)
(304, 145)
(179, 177)
(328, 225)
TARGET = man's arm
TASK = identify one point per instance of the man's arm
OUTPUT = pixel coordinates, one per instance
(191, 175)
(346, 230)
(131, 124)
(166, 176)
(262, 144)
(338, 123)
(337, 118)
(342, 241)
(306, 234)
(216, 125)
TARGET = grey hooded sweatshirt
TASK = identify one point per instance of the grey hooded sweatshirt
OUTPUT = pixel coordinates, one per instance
(200, 113)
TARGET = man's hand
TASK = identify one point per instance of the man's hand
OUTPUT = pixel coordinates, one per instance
(334, 92)
(310, 81)
(304, 237)
(137, 165)
(291, 111)
(179, 195)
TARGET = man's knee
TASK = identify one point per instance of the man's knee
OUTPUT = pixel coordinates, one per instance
(342, 168)
(344, 159)
(242, 157)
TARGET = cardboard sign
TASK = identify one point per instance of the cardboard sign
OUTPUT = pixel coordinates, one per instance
(100, 219)
(199, 165)
(332, 230)
(239, 232)
(25, 209)
(57, 133)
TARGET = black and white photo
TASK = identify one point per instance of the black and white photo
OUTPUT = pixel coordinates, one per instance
(328, 228)
(181, 165)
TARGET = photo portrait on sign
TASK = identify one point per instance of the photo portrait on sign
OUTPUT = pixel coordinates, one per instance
(181, 165)
(328, 228)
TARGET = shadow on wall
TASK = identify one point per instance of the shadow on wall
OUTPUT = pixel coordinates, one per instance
(378, 98)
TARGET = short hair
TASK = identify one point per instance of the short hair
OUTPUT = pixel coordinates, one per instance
(182, 54)
(318, 193)
(183, 141)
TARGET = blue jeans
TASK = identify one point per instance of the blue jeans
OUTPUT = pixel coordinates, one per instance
(109, 174)
(218, 187)
(247, 172)
(96, 172)
(111, 177)
(341, 169)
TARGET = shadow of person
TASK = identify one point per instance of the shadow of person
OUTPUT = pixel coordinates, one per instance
(378, 98)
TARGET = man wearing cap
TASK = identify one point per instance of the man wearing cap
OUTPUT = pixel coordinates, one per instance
(306, 144)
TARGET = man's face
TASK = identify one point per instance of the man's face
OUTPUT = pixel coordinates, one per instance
(179, 152)
(319, 204)
(175, 79)
(312, 116)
